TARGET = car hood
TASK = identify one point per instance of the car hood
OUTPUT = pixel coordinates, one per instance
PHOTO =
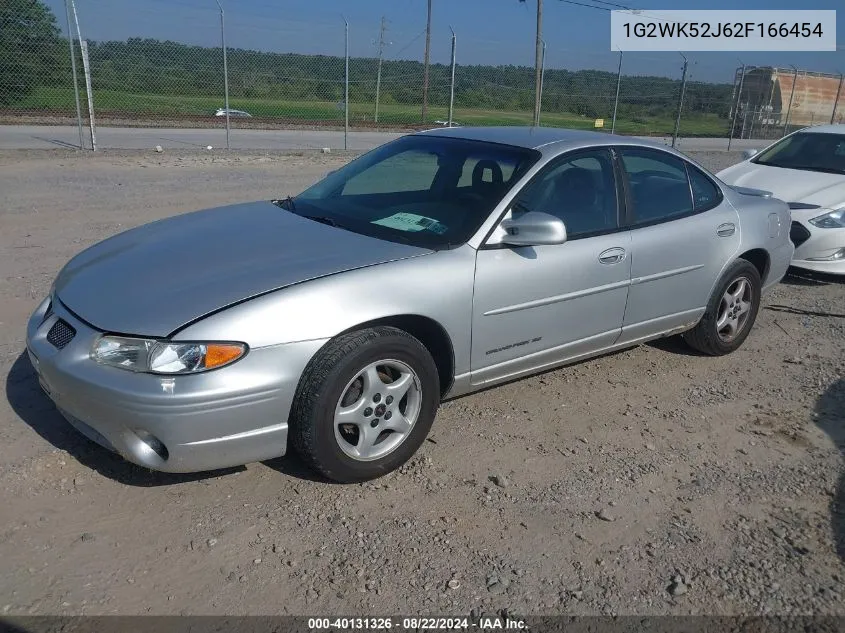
(154, 279)
(790, 185)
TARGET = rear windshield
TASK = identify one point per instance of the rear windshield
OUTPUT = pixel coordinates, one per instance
(424, 190)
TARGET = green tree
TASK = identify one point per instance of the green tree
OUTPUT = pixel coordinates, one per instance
(30, 49)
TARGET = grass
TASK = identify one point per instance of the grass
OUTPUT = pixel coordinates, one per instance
(163, 106)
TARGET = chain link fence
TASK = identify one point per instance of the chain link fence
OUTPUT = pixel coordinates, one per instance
(142, 82)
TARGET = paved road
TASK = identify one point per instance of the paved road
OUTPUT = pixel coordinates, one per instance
(46, 137)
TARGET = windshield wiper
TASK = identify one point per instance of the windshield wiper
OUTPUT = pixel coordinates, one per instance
(826, 170)
(322, 219)
(285, 203)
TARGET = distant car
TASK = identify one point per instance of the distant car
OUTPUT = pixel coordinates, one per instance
(438, 264)
(807, 170)
(232, 113)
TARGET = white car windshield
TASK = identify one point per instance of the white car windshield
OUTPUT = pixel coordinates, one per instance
(811, 151)
(423, 190)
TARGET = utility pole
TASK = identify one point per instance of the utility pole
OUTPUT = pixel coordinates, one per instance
(680, 101)
(381, 44)
(427, 57)
(538, 62)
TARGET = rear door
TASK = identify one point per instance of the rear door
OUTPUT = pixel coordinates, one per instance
(682, 235)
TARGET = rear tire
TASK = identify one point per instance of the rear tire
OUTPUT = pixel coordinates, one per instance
(365, 403)
(730, 313)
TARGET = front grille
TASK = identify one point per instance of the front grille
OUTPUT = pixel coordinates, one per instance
(798, 234)
(60, 334)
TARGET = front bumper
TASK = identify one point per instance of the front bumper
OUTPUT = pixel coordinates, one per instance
(814, 244)
(226, 417)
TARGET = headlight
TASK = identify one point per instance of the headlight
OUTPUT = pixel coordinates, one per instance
(832, 220)
(162, 357)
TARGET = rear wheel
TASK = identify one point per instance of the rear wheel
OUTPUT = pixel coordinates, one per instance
(730, 313)
(365, 403)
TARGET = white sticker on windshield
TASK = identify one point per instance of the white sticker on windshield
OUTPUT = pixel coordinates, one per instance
(412, 222)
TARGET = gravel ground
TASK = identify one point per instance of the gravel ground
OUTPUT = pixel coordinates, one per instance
(651, 481)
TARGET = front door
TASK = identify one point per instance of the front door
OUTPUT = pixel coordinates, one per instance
(534, 307)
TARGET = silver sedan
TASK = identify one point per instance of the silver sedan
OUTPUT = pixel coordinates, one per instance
(436, 265)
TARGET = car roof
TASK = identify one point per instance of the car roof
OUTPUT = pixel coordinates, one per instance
(536, 137)
(835, 128)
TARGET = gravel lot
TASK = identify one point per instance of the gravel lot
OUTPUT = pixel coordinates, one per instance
(652, 481)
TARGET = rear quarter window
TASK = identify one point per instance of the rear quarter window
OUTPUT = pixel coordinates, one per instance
(705, 193)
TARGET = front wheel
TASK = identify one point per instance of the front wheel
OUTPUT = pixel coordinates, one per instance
(365, 403)
(730, 313)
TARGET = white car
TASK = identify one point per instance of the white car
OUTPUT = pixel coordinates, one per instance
(807, 170)
(232, 113)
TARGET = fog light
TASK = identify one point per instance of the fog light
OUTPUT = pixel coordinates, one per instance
(833, 257)
(153, 443)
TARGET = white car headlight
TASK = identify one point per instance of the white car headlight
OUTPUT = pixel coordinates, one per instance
(162, 357)
(831, 220)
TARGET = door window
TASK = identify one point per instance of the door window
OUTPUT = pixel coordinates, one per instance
(579, 189)
(660, 189)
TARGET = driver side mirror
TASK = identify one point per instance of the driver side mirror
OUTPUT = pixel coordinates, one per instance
(534, 229)
(749, 153)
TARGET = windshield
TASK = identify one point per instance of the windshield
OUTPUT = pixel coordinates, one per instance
(422, 190)
(807, 150)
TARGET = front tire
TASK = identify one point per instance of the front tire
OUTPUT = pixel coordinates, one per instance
(730, 313)
(365, 403)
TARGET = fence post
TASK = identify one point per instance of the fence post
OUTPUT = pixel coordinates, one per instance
(346, 87)
(769, 114)
(225, 68)
(616, 102)
(836, 101)
(537, 54)
(83, 47)
(380, 57)
(426, 64)
(680, 101)
(86, 68)
(73, 70)
(452, 81)
(542, 79)
(791, 96)
(736, 107)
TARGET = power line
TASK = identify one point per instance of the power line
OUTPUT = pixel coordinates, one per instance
(409, 44)
(639, 12)
(589, 6)
(613, 4)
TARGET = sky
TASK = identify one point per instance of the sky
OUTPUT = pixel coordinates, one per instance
(488, 31)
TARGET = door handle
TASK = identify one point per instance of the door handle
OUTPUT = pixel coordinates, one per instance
(612, 255)
(726, 230)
